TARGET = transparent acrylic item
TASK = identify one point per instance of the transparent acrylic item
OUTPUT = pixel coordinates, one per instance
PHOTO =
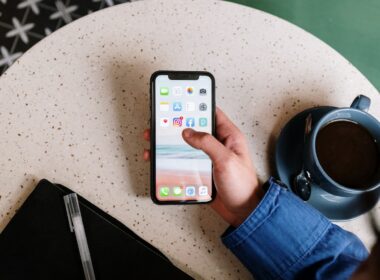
(76, 226)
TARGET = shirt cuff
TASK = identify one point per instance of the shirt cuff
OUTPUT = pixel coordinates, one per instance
(274, 237)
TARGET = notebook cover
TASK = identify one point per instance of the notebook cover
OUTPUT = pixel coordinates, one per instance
(37, 243)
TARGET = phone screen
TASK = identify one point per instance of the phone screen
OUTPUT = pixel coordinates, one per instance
(181, 173)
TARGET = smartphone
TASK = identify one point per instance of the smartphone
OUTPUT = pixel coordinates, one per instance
(181, 174)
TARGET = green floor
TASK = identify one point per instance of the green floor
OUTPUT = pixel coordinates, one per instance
(352, 27)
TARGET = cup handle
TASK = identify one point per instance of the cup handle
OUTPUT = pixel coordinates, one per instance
(361, 102)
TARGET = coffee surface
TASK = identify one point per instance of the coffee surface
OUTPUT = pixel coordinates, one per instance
(348, 154)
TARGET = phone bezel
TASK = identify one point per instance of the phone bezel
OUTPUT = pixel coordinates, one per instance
(181, 75)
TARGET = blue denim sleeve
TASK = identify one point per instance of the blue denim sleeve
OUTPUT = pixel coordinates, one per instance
(284, 238)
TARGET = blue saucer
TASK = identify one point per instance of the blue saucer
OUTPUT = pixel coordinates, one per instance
(289, 156)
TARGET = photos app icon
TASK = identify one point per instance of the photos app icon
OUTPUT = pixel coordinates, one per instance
(190, 90)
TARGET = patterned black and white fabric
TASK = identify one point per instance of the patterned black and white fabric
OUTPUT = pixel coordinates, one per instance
(24, 22)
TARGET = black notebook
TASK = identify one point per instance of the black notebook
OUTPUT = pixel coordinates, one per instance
(38, 243)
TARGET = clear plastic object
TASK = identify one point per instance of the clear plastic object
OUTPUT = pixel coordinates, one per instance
(76, 226)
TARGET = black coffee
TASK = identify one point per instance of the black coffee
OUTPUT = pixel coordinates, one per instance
(348, 154)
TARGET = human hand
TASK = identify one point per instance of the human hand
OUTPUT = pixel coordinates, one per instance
(238, 191)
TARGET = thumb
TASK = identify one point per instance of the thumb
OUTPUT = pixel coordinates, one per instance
(205, 142)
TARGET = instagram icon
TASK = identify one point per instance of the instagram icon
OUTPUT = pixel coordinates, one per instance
(177, 122)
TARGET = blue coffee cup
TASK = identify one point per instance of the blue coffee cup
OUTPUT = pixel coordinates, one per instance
(313, 170)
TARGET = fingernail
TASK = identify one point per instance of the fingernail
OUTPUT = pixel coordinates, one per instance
(188, 132)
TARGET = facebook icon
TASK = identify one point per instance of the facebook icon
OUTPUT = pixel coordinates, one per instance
(190, 122)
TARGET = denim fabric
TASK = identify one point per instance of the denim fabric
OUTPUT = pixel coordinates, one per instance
(285, 238)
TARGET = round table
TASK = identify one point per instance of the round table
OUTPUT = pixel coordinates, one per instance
(74, 107)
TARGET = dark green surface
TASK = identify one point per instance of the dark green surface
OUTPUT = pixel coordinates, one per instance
(352, 27)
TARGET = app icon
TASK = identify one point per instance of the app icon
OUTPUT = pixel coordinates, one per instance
(164, 91)
(203, 91)
(190, 90)
(177, 122)
(164, 191)
(177, 191)
(177, 106)
(203, 190)
(202, 122)
(177, 91)
(164, 122)
(190, 122)
(190, 191)
(190, 106)
(202, 107)
(164, 106)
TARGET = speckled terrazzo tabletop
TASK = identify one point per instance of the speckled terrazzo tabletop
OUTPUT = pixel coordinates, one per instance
(74, 107)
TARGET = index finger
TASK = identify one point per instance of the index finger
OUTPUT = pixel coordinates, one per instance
(147, 134)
